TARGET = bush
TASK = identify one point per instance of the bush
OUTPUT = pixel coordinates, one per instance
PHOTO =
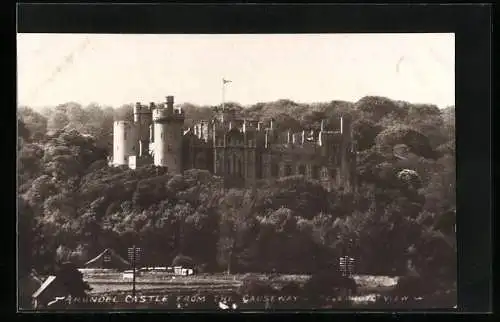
(184, 261)
(329, 284)
(254, 286)
(72, 279)
(412, 286)
(291, 288)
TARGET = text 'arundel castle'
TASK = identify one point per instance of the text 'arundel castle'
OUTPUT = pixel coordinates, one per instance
(239, 150)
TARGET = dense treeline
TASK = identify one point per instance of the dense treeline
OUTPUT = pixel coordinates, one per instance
(400, 220)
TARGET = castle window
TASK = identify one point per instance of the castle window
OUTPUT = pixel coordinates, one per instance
(288, 170)
(315, 172)
(274, 170)
(302, 170)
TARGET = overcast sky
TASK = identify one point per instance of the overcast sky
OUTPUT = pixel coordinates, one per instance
(120, 69)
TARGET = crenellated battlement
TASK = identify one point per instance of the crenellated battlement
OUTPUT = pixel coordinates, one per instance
(163, 114)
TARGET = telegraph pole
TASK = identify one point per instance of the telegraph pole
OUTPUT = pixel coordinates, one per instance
(134, 254)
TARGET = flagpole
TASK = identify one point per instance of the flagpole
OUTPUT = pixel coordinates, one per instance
(223, 98)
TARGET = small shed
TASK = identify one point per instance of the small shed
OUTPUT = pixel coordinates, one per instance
(108, 259)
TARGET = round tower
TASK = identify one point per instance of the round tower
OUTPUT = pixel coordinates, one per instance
(168, 125)
(124, 142)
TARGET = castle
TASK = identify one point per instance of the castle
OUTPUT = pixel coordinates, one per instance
(239, 150)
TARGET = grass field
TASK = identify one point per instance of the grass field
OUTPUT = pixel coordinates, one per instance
(112, 283)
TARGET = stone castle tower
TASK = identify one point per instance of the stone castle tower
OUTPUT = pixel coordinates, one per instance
(167, 137)
(154, 137)
(239, 150)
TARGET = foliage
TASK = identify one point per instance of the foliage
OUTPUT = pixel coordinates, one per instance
(72, 280)
(329, 283)
(71, 204)
(184, 261)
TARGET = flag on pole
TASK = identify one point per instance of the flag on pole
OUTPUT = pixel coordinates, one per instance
(225, 81)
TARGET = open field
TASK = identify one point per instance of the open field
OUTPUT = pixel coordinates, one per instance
(161, 283)
(109, 281)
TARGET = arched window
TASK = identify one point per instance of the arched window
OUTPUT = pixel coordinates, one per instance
(302, 170)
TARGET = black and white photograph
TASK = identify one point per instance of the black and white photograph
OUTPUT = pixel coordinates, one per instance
(236, 172)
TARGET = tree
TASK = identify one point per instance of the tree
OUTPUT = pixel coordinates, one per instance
(236, 209)
(365, 132)
(184, 261)
(22, 130)
(35, 122)
(376, 107)
(401, 134)
(72, 280)
(26, 234)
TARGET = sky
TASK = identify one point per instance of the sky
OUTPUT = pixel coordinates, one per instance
(117, 69)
